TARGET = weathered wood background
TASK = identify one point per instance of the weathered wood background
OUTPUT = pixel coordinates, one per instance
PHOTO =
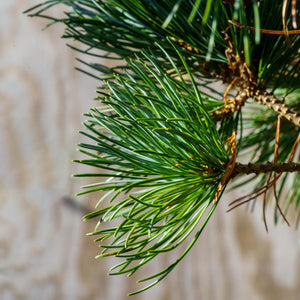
(44, 253)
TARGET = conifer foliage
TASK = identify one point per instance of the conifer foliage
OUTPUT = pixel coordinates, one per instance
(196, 87)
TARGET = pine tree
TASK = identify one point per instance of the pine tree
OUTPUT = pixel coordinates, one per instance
(197, 87)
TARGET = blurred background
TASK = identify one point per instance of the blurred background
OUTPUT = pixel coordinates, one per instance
(44, 251)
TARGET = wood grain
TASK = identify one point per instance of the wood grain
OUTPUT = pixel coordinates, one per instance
(44, 253)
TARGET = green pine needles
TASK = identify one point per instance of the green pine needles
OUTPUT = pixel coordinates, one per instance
(162, 150)
(166, 140)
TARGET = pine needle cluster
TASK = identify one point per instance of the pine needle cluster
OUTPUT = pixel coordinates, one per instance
(197, 87)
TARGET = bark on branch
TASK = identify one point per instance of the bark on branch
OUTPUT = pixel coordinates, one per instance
(264, 168)
(277, 105)
(262, 97)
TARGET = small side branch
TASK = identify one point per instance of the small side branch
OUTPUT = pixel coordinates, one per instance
(262, 97)
(278, 106)
(264, 168)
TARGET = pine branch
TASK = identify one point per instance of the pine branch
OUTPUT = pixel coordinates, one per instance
(163, 135)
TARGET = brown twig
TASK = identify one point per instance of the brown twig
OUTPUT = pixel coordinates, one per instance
(252, 196)
(263, 97)
(266, 31)
(258, 168)
(278, 106)
(232, 1)
(275, 159)
(276, 177)
(269, 167)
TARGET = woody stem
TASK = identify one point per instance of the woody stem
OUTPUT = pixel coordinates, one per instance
(264, 168)
(278, 106)
(263, 97)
